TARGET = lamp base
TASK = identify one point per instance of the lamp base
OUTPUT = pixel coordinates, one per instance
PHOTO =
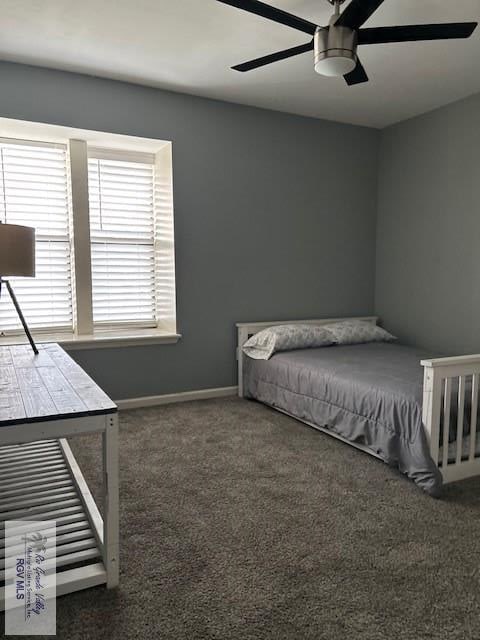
(20, 314)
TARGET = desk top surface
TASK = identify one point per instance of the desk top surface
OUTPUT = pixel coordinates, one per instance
(47, 386)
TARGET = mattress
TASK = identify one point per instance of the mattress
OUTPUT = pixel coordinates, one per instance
(369, 394)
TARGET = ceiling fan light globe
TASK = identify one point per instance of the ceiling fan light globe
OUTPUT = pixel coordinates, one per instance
(335, 66)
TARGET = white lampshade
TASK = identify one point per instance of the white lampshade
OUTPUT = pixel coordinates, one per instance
(17, 250)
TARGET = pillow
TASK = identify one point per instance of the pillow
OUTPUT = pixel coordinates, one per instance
(284, 337)
(357, 332)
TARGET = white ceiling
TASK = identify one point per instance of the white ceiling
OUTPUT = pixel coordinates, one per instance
(190, 45)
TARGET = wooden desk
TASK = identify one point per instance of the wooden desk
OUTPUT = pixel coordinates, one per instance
(43, 400)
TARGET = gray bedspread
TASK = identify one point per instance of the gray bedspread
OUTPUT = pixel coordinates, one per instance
(370, 394)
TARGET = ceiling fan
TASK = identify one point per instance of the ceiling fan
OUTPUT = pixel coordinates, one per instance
(335, 46)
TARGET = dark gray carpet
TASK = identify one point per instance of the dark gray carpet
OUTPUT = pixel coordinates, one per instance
(240, 523)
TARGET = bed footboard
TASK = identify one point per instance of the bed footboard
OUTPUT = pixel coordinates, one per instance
(450, 393)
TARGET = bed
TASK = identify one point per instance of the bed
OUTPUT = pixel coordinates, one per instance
(414, 412)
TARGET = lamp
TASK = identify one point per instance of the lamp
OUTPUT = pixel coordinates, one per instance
(17, 258)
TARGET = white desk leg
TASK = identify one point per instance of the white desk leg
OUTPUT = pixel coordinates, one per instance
(110, 489)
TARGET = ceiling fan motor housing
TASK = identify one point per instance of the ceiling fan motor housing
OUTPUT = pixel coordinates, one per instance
(335, 50)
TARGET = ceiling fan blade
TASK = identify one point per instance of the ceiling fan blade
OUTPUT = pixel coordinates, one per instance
(358, 12)
(274, 57)
(409, 33)
(271, 13)
(357, 76)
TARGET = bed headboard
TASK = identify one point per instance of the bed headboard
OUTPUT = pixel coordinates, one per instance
(247, 329)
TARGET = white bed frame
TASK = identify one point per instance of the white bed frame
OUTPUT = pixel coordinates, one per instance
(455, 461)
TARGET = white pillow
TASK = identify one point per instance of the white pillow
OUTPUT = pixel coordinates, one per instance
(358, 332)
(285, 337)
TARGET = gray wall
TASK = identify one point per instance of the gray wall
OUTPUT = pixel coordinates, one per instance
(428, 232)
(274, 217)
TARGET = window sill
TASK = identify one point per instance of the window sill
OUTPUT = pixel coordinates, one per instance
(100, 340)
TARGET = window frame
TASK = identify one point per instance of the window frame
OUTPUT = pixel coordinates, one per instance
(84, 334)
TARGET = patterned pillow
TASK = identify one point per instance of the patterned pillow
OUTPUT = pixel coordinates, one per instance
(358, 332)
(285, 337)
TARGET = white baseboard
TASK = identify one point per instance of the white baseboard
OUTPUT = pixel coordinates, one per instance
(169, 398)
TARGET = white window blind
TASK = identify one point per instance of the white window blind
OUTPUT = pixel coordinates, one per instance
(122, 233)
(34, 192)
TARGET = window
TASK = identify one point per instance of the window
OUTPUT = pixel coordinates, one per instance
(34, 192)
(104, 237)
(122, 232)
